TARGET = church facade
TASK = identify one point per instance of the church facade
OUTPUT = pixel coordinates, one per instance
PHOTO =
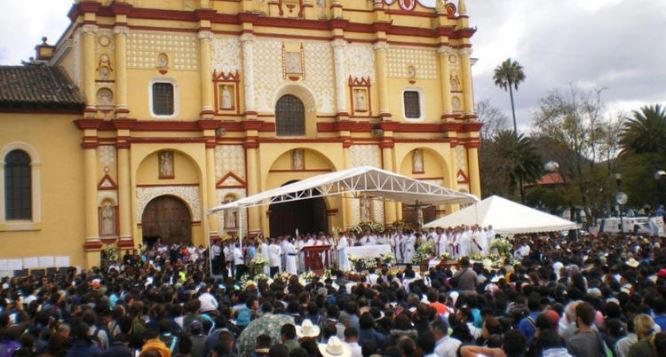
(151, 112)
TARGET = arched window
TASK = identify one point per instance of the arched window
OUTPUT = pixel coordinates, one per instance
(289, 116)
(18, 186)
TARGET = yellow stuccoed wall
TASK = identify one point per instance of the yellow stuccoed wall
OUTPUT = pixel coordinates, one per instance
(199, 37)
(56, 142)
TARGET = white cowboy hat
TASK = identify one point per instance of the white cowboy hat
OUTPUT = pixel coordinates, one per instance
(633, 263)
(335, 348)
(307, 329)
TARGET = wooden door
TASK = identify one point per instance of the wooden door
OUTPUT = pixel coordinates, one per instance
(167, 218)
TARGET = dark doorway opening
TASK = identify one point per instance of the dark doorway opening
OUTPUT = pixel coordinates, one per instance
(308, 216)
(168, 219)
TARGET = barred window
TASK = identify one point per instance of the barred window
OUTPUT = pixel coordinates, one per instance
(18, 186)
(290, 116)
(412, 103)
(163, 99)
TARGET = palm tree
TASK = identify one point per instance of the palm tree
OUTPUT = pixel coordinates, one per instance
(645, 131)
(509, 75)
(521, 161)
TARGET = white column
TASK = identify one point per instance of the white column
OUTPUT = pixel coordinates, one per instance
(340, 75)
(247, 41)
(466, 64)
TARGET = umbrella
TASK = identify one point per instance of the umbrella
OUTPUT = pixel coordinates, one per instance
(268, 324)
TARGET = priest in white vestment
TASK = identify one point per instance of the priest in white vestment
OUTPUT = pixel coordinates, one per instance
(343, 260)
(292, 258)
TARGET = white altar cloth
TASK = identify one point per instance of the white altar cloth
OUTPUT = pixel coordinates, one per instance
(368, 251)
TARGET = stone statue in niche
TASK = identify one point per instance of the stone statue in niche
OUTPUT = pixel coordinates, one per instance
(455, 81)
(297, 159)
(166, 164)
(365, 208)
(417, 161)
(294, 65)
(108, 220)
(411, 72)
(104, 97)
(227, 99)
(104, 68)
(230, 219)
(359, 97)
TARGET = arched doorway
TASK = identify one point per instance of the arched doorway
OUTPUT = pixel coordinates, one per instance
(166, 218)
(308, 216)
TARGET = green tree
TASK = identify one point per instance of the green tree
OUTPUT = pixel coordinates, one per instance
(519, 160)
(508, 76)
(645, 131)
(584, 141)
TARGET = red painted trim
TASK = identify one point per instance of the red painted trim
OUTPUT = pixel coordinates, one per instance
(88, 123)
(169, 185)
(465, 177)
(241, 182)
(92, 245)
(126, 243)
(167, 140)
(304, 170)
(108, 240)
(113, 187)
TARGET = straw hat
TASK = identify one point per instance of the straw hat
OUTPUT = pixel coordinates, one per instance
(307, 329)
(633, 263)
(335, 348)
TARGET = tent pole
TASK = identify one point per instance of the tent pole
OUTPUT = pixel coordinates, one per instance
(240, 228)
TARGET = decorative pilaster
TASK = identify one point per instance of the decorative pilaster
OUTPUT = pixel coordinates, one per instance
(92, 243)
(347, 220)
(205, 38)
(89, 33)
(388, 156)
(381, 62)
(120, 33)
(210, 189)
(247, 43)
(466, 64)
(444, 53)
(124, 193)
(474, 177)
(340, 80)
(254, 224)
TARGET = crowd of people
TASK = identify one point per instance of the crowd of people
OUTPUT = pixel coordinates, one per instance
(285, 253)
(566, 296)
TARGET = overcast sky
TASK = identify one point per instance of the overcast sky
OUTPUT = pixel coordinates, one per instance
(619, 45)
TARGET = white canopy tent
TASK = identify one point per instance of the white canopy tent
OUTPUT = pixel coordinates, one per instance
(506, 217)
(359, 181)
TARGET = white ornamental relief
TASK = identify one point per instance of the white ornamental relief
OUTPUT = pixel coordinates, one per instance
(267, 73)
(227, 55)
(461, 160)
(360, 61)
(189, 194)
(107, 155)
(401, 58)
(144, 47)
(319, 74)
(221, 195)
(229, 158)
(365, 155)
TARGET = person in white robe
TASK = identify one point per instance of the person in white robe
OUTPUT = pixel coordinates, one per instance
(465, 241)
(283, 249)
(299, 244)
(409, 249)
(490, 236)
(343, 260)
(292, 257)
(263, 251)
(478, 243)
(274, 258)
(441, 242)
